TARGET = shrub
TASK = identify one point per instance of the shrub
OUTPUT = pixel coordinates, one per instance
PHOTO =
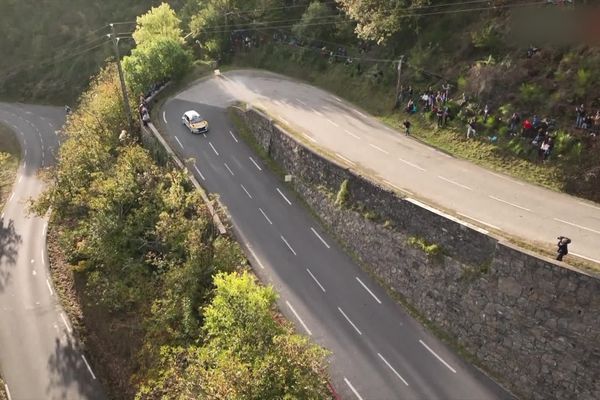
(341, 199)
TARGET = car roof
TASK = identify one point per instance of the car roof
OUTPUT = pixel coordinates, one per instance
(192, 114)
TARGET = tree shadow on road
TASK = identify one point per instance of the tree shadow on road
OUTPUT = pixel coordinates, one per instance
(9, 242)
(70, 377)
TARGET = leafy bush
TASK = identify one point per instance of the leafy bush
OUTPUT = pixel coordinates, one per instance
(488, 38)
(341, 199)
(531, 94)
(431, 249)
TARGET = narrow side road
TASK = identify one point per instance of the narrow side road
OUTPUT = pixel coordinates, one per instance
(39, 359)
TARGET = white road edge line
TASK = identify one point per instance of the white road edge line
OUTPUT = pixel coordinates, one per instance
(179, 142)
(358, 396)
(392, 368)
(378, 148)
(301, 102)
(338, 155)
(165, 117)
(283, 195)
(351, 134)
(454, 183)
(199, 173)
(412, 164)
(361, 114)
(88, 367)
(480, 221)
(288, 245)
(49, 287)
(309, 138)
(577, 226)
(7, 391)
(283, 120)
(213, 147)
(255, 164)
(509, 203)
(368, 290)
(265, 215)
(332, 123)
(229, 169)
(315, 279)
(584, 257)
(245, 190)
(233, 136)
(11, 197)
(320, 238)
(350, 321)
(298, 318)
(62, 315)
(436, 356)
(588, 205)
(317, 112)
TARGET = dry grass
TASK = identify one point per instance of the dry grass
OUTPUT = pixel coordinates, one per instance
(10, 155)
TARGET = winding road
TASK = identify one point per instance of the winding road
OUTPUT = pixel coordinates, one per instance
(39, 359)
(378, 351)
(493, 201)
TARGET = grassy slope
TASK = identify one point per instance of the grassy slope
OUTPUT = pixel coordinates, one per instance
(31, 33)
(8, 167)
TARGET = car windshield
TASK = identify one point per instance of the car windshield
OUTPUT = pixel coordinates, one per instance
(195, 118)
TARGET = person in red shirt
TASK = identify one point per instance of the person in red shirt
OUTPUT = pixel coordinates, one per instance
(527, 127)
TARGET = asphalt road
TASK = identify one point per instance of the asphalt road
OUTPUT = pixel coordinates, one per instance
(488, 199)
(378, 351)
(39, 359)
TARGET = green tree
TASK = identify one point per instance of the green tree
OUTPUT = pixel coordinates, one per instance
(379, 19)
(312, 25)
(159, 22)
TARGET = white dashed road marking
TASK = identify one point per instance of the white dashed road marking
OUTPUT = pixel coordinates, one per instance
(332, 123)
(245, 190)
(351, 134)
(320, 238)
(454, 183)
(265, 215)
(368, 290)
(378, 148)
(509, 203)
(88, 367)
(233, 136)
(358, 396)
(229, 169)
(392, 368)
(317, 112)
(412, 164)
(588, 205)
(288, 245)
(577, 226)
(255, 164)
(283, 195)
(436, 356)
(213, 147)
(199, 173)
(506, 178)
(179, 142)
(315, 279)
(349, 321)
(298, 318)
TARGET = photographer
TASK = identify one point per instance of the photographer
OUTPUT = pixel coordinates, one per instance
(562, 244)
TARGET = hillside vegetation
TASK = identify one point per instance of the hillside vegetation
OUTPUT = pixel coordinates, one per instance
(44, 44)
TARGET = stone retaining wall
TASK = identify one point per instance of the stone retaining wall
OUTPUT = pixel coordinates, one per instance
(530, 321)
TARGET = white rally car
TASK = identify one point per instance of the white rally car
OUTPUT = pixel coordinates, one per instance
(194, 122)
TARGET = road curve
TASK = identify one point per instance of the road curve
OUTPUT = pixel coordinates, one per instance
(38, 357)
(488, 199)
(378, 351)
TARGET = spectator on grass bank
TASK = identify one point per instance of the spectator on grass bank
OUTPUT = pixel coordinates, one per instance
(411, 107)
(486, 112)
(527, 128)
(580, 115)
(514, 121)
(471, 128)
(440, 117)
(406, 125)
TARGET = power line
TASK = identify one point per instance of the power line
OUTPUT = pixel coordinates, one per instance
(445, 12)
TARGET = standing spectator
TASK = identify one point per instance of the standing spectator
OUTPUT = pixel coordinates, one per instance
(486, 112)
(563, 249)
(446, 115)
(471, 128)
(527, 128)
(410, 91)
(580, 112)
(514, 121)
(544, 146)
(536, 122)
(406, 124)
(411, 108)
(446, 89)
(588, 121)
(548, 149)
(597, 120)
(440, 116)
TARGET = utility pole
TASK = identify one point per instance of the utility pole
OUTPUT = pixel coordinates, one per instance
(398, 85)
(126, 105)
